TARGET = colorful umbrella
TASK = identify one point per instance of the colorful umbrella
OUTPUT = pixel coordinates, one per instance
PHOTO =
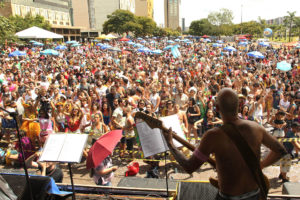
(230, 48)
(17, 53)
(102, 148)
(217, 45)
(157, 51)
(170, 41)
(60, 47)
(264, 44)
(124, 39)
(37, 44)
(168, 47)
(284, 66)
(71, 42)
(243, 43)
(49, 52)
(144, 50)
(220, 41)
(255, 54)
(205, 36)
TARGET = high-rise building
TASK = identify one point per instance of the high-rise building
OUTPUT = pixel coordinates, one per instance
(172, 14)
(144, 8)
(81, 13)
(57, 12)
(99, 9)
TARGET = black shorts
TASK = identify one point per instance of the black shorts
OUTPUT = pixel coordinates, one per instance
(129, 142)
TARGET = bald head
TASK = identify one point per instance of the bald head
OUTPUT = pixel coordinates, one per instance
(228, 102)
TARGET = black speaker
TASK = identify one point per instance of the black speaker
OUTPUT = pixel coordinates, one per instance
(196, 191)
(18, 184)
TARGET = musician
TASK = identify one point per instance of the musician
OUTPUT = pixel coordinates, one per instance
(235, 178)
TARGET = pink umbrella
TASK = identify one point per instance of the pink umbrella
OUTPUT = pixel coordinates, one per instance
(103, 147)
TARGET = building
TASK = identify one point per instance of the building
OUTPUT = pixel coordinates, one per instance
(56, 12)
(80, 12)
(276, 21)
(144, 8)
(99, 9)
(172, 14)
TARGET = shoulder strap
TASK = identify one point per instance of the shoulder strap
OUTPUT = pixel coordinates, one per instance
(248, 155)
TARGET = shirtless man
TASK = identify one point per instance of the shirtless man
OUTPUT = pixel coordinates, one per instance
(235, 179)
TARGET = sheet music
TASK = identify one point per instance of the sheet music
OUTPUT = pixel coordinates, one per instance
(173, 122)
(52, 147)
(73, 148)
(64, 148)
(151, 139)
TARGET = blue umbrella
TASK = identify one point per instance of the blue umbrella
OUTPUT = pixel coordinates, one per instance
(243, 43)
(139, 38)
(37, 44)
(157, 51)
(99, 44)
(105, 46)
(138, 45)
(95, 40)
(189, 42)
(284, 66)
(263, 44)
(298, 47)
(143, 41)
(255, 54)
(32, 41)
(170, 41)
(71, 42)
(167, 47)
(114, 49)
(230, 48)
(220, 41)
(177, 40)
(217, 45)
(207, 40)
(60, 47)
(130, 43)
(75, 45)
(49, 52)
(17, 53)
(144, 50)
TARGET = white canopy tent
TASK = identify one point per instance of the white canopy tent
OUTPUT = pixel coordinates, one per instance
(37, 33)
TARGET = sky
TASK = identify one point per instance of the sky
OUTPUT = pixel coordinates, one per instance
(251, 9)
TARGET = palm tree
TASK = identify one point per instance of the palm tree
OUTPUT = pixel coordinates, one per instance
(297, 25)
(289, 21)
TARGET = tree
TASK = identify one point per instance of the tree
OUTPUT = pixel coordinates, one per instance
(289, 21)
(297, 25)
(201, 27)
(147, 26)
(118, 22)
(28, 21)
(7, 30)
(221, 19)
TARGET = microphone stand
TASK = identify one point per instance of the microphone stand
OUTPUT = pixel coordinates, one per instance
(14, 116)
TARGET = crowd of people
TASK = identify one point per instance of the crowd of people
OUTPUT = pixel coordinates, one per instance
(90, 90)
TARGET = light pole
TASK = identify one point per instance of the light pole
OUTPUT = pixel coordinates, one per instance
(241, 18)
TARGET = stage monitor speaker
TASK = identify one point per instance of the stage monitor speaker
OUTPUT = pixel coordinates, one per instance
(291, 188)
(196, 191)
(137, 182)
(19, 186)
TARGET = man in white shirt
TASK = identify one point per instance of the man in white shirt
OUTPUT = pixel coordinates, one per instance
(181, 99)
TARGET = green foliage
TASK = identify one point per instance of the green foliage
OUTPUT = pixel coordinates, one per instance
(289, 22)
(122, 21)
(118, 22)
(201, 27)
(7, 30)
(223, 16)
(147, 26)
(9, 26)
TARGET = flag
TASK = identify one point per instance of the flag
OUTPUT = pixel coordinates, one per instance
(175, 52)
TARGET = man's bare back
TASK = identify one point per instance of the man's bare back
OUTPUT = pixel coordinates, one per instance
(234, 176)
(232, 170)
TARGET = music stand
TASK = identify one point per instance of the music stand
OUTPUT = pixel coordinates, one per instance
(64, 148)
